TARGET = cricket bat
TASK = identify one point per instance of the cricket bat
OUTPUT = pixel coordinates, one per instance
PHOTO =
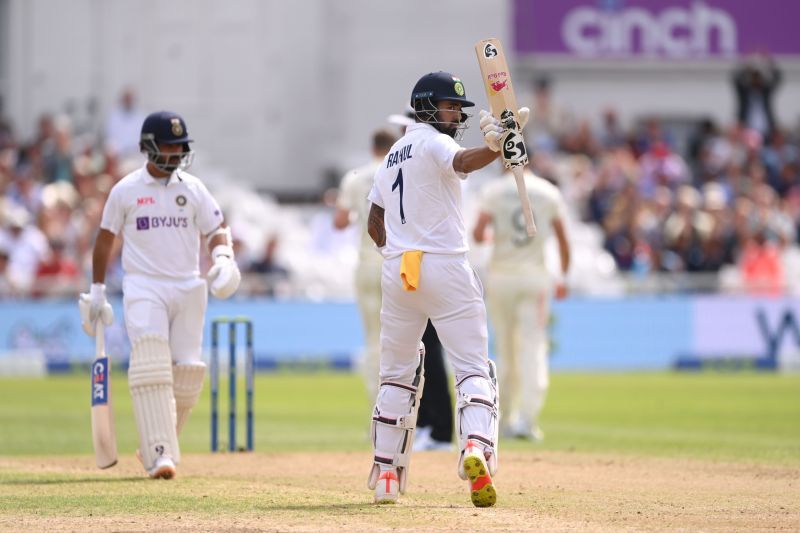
(503, 105)
(104, 437)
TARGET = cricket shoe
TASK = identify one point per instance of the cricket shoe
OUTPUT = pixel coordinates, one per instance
(481, 487)
(388, 488)
(163, 469)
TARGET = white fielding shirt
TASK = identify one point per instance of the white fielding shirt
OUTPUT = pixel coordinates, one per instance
(161, 224)
(513, 249)
(420, 193)
(353, 193)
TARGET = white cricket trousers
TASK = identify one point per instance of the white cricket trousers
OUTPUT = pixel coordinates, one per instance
(519, 306)
(174, 310)
(451, 295)
(368, 294)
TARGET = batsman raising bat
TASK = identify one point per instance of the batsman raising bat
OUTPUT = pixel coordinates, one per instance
(161, 212)
(416, 220)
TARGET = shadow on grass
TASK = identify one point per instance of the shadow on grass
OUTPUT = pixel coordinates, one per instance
(71, 481)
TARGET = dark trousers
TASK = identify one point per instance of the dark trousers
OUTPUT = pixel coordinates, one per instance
(436, 407)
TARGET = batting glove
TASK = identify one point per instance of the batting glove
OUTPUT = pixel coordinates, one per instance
(492, 130)
(224, 276)
(94, 306)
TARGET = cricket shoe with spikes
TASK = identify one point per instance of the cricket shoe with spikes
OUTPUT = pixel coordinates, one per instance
(163, 469)
(481, 488)
(388, 488)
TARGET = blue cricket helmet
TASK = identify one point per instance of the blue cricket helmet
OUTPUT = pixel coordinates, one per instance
(165, 127)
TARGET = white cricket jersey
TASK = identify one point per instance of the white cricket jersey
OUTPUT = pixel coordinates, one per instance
(420, 192)
(161, 224)
(353, 193)
(513, 248)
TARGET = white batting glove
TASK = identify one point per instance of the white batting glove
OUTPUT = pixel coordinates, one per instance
(94, 306)
(492, 130)
(224, 276)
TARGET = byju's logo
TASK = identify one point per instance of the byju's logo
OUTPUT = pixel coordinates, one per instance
(145, 223)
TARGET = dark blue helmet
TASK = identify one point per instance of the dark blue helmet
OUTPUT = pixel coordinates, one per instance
(165, 127)
(436, 87)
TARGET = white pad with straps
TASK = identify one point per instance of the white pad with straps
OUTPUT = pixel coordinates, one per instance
(187, 384)
(150, 381)
(477, 411)
(393, 423)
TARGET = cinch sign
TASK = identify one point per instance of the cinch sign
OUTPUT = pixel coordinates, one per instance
(669, 29)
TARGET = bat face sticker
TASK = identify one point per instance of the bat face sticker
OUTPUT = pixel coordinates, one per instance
(497, 86)
(489, 51)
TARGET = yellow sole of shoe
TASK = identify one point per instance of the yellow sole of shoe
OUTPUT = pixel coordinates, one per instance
(482, 489)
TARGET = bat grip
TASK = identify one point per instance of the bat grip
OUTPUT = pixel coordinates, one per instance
(530, 225)
(99, 338)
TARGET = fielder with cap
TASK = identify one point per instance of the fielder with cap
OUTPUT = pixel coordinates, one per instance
(416, 219)
(161, 212)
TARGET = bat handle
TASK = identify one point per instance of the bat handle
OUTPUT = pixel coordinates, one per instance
(100, 338)
(530, 225)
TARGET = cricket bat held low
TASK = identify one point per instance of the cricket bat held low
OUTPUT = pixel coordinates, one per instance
(104, 437)
(503, 105)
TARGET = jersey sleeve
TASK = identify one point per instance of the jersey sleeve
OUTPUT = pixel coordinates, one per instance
(375, 195)
(209, 215)
(346, 199)
(113, 212)
(559, 205)
(443, 150)
(487, 199)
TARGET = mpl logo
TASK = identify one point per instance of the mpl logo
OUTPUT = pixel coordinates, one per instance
(100, 369)
(676, 32)
(146, 200)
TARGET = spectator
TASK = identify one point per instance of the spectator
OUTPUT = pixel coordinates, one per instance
(123, 126)
(755, 82)
(273, 274)
(57, 275)
(760, 266)
(27, 246)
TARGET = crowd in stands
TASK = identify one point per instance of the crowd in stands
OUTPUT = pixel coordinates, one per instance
(727, 199)
(730, 199)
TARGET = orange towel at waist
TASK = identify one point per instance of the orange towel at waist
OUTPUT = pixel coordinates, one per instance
(409, 269)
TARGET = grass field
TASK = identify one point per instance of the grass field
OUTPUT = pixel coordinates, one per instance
(738, 434)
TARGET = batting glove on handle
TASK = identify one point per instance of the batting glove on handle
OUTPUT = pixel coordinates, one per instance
(492, 130)
(224, 276)
(94, 306)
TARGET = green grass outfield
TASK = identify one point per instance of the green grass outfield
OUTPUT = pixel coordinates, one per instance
(713, 416)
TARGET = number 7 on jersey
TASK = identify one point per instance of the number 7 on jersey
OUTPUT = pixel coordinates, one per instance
(503, 105)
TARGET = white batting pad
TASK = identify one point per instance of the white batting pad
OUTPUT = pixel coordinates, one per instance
(394, 421)
(150, 381)
(476, 416)
(187, 384)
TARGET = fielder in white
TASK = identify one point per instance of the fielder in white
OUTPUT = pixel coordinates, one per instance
(161, 212)
(519, 292)
(352, 206)
(416, 219)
